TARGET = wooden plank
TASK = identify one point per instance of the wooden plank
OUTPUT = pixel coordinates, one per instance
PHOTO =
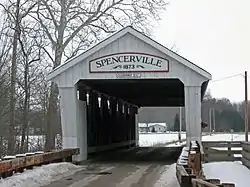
(189, 171)
(219, 158)
(183, 177)
(202, 183)
(213, 154)
(5, 166)
(245, 162)
(180, 170)
(212, 144)
(194, 162)
(228, 185)
(36, 159)
(213, 181)
(245, 143)
(186, 181)
(237, 158)
(221, 142)
(29, 161)
(246, 147)
(18, 163)
(245, 155)
(222, 152)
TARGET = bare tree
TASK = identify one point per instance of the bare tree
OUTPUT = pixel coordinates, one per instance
(42, 97)
(16, 11)
(31, 52)
(5, 48)
(11, 138)
(71, 26)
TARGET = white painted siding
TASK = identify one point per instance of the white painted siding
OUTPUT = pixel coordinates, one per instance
(128, 43)
(128, 40)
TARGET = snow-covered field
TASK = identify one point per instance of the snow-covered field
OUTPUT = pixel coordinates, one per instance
(225, 137)
(151, 139)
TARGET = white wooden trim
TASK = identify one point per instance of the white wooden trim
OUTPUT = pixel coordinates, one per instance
(118, 35)
(171, 54)
(87, 53)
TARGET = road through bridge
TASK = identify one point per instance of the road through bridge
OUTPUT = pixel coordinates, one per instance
(102, 90)
(135, 167)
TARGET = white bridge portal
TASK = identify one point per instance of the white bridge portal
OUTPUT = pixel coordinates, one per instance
(114, 78)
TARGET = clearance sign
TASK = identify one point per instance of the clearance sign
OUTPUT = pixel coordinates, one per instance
(129, 62)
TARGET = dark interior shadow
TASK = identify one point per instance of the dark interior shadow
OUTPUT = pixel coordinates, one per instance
(163, 155)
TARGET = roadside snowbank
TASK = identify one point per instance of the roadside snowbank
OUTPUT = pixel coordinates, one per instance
(40, 176)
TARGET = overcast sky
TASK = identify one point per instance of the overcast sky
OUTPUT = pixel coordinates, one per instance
(215, 35)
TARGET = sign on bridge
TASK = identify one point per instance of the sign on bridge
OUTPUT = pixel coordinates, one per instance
(129, 62)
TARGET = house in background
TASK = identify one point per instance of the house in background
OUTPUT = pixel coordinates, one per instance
(143, 127)
(152, 127)
(157, 127)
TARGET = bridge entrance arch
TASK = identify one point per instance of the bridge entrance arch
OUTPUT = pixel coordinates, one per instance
(101, 90)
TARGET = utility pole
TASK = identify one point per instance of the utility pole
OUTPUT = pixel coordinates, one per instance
(180, 123)
(210, 121)
(246, 109)
(214, 120)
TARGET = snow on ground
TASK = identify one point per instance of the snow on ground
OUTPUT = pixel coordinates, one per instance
(217, 137)
(40, 176)
(46, 174)
(227, 172)
(168, 177)
(232, 172)
(151, 139)
(176, 144)
(225, 137)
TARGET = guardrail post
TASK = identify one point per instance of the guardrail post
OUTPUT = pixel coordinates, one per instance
(229, 149)
(194, 162)
(186, 181)
(213, 181)
(228, 185)
(18, 163)
(192, 175)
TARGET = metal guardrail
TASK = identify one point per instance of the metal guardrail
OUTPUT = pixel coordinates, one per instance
(14, 164)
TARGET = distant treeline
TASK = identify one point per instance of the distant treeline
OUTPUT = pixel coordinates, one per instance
(228, 115)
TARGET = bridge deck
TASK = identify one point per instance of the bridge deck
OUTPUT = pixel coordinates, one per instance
(140, 167)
